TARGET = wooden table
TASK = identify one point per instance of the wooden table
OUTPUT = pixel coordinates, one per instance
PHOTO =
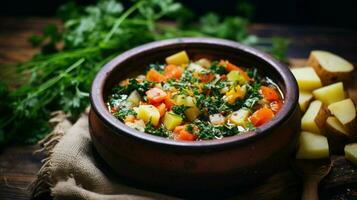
(18, 166)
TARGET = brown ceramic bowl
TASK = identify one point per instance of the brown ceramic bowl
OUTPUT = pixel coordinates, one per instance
(235, 161)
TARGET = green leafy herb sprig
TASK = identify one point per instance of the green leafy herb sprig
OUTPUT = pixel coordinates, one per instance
(59, 78)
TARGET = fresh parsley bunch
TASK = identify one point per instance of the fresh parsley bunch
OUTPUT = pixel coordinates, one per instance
(59, 78)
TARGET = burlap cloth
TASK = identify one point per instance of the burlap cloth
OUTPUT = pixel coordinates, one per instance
(72, 170)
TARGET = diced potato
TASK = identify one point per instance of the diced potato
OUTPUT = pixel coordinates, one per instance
(240, 117)
(330, 67)
(171, 120)
(179, 58)
(304, 99)
(312, 146)
(345, 112)
(335, 126)
(180, 100)
(337, 134)
(137, 124)
(314, 118)
(330, 94)
(236, 76)
(306, 78)
(204, 62)
(134, 98)
(192, 112)
(351, 153)
(217, 119)
(148, 113)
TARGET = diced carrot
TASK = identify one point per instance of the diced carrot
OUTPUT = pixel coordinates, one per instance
(113, 109)
(168, 101)
(179, 128)
(261, 116)
(155, 76)
(269, 93)
(155, 95)
(205, 78)
(173, 71)
(162, 109)
(230, 67)
(223, 77)
(276, 106)
(186, 136)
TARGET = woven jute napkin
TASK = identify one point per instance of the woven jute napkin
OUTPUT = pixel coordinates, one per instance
(72, 170)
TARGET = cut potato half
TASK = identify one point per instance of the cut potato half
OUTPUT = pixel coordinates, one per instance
(334, 125)
(337, 134)
(351, 153)
(304, 99)
(312, 146)
(330, 93)
(314, 118)
(330, 67)
(345, 112)
(306, 78)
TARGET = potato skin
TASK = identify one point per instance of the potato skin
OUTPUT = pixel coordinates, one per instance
(328, 77)
(336, 139)
(321, 117)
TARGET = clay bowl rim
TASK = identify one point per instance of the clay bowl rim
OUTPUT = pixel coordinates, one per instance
(290, 96)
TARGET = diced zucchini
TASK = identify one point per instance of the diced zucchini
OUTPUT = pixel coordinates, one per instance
(149, 113)
(236, 76)
(240, 117)
(217, 119)
(134, 98)
(178, 58)
(171, 120)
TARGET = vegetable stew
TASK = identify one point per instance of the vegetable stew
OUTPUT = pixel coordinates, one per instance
(196, 100)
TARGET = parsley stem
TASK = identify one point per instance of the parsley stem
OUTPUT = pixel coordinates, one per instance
(121, 19)
(54, 80)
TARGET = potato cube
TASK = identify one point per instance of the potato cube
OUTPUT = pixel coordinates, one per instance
(335, 126)
(306, 78)
(344, 111)
(312, 146)
(134, 98)
(148, 113)
(330, 94)
(338, 135)
(240, 117)
(236, 76)
(314, 118)
(304, 99)
(351, 153)
(179, 58)
(171, 120)
(192, 112)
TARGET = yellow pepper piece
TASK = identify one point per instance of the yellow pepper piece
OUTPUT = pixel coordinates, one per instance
(234, 93)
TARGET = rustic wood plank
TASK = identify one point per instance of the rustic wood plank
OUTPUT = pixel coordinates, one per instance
(18, 168)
